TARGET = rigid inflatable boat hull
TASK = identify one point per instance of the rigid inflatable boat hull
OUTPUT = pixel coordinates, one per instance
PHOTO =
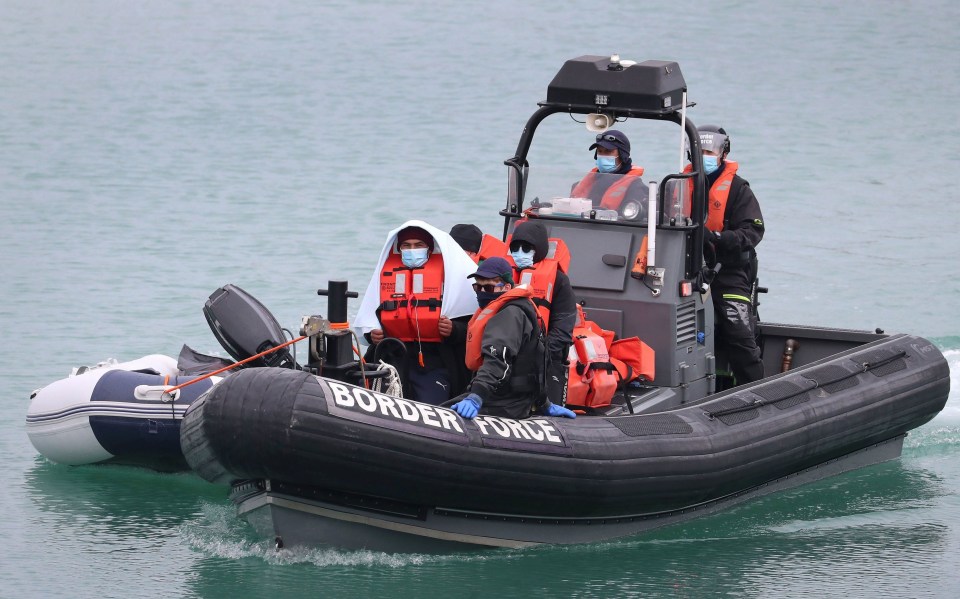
(294, 515)
(327, 450)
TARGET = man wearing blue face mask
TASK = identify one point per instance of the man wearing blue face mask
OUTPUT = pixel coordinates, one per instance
(734, 228)
(615, 179)
(553, 295)
(411, 295)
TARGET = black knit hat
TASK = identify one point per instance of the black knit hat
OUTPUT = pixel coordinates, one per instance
(469, 237)
(409, 233)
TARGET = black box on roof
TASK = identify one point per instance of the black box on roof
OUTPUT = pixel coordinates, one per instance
(594, 83)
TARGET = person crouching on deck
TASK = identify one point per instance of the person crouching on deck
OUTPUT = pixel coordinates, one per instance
(505, 346)
(419, 296)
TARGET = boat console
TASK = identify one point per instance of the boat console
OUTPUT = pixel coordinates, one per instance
(637, 268)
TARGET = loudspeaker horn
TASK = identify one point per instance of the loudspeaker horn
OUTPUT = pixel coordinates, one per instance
(599, 122)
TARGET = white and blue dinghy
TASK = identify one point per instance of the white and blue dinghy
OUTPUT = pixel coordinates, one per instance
(130, 412)
(114, 412)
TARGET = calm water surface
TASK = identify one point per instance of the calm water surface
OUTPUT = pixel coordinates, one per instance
(151, 152)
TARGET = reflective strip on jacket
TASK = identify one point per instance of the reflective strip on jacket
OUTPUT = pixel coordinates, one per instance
(410, 299)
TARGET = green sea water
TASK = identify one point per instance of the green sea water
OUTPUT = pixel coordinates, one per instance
(151, 152)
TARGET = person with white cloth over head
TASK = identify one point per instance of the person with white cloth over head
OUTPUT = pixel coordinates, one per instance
(420, 295)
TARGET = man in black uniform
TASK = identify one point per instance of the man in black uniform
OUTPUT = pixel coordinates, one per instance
(505, 347)
(734, 228)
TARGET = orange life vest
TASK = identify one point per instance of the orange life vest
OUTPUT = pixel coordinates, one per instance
(598, 364)
(479, 322)
(556, 250)
(633, 358)
(410, 299)
(541, 278)
(490, 247)
(613, 197)
(718, 196)
(593, 380)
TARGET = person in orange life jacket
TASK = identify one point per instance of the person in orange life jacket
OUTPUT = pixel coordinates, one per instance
(734, 228)
(615, 179)
(469, 237)
(505, 348)
(432, 370)
(477, 245)
(529, 246)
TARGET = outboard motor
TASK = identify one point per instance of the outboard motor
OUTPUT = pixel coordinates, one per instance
(244, 327)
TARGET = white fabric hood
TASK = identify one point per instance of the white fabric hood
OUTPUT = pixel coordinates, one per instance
(459, 298)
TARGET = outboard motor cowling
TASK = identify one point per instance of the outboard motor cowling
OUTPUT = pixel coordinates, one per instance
(244, 327)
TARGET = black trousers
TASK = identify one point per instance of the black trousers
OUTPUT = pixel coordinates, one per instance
(735, 334)
(558, 371)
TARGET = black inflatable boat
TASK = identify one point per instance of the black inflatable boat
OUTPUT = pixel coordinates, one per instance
(328, 462)
(315, 460)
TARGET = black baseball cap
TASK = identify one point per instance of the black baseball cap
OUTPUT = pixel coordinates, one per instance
(612, 140)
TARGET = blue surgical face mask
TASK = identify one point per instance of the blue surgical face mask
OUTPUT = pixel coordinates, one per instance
(414, 258)
(522, 259)
(710, 164)
(606, 164)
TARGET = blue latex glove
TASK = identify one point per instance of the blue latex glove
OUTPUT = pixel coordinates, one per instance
(550, 409)
(468, 406)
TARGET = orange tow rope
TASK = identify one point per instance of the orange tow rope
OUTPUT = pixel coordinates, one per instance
(240, 363)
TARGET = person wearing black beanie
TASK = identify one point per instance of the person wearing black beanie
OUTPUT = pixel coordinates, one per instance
(469, 237)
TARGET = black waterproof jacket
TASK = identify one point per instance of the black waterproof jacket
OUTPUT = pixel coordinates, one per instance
(509, 380)
(737, 252)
